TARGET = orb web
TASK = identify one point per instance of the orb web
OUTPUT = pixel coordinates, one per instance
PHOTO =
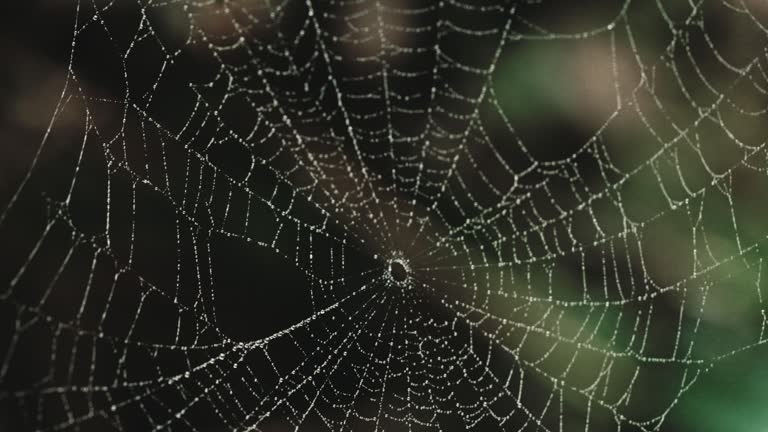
(222, 193)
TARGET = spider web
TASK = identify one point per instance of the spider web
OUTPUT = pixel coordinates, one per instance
(386, 215)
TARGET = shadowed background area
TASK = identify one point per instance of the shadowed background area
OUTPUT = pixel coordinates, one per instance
(383, 215)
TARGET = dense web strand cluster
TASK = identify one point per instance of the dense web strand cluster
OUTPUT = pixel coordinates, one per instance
(400, 215)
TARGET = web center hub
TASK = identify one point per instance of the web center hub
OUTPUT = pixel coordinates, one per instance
(398, 271)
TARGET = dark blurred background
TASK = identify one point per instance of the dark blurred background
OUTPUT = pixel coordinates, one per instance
(159, 217)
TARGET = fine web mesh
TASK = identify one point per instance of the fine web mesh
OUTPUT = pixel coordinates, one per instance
(386, 215)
